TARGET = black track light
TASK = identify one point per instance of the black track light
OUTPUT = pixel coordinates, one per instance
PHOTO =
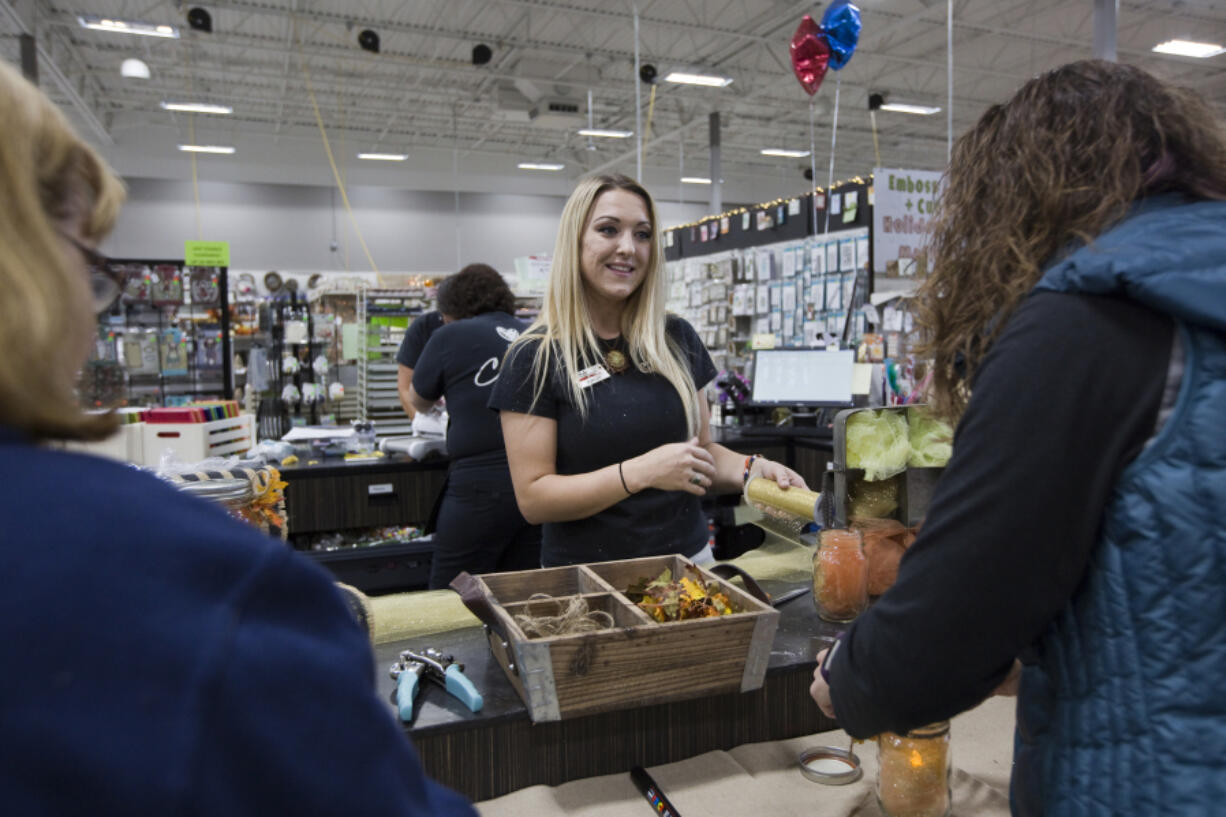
(647, 73)
(875, 101)
(368, 41)
(199, 20)
(482, 54)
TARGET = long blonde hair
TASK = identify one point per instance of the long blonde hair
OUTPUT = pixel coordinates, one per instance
(564, 326)
(47, 173)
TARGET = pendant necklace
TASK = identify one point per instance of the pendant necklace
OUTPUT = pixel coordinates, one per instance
(616, 360)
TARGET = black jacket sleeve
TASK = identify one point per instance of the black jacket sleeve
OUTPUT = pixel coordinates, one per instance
(1064, 400)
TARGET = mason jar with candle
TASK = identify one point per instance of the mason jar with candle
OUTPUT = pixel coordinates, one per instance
(840, 575)
(913, 772)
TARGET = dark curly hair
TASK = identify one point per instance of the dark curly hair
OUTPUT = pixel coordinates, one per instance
(1059, 163)
(475, 290)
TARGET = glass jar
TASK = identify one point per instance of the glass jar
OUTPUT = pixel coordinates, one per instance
(234, 495)
(913, 772)
(840, 575)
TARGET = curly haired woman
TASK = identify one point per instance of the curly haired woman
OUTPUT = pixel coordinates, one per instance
(1077, 312)
(480, 528)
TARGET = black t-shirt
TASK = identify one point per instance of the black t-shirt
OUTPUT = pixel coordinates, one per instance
(628, 414)
(1065, 399)
(419, 332)
(461, 362)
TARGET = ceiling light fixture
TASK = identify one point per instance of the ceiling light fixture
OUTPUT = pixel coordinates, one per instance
(540, 166)
(206, 149)
(690, 78)
(1189, 48)
(785, 153)
(695, 180)
(197, 107)
(905, 107)
(132, 68)
(384, 157)
(96, 23)
(607, 133)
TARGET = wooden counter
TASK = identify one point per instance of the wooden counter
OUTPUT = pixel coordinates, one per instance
(337, 495)
(499, 749)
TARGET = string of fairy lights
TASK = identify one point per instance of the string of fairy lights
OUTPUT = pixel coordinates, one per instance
(768, 205)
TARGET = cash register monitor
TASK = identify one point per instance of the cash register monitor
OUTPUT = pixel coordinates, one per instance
(802, 377)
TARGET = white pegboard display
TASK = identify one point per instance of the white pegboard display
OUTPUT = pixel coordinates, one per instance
(800, 291)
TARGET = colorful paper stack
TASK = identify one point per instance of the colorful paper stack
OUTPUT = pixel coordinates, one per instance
(202, 412)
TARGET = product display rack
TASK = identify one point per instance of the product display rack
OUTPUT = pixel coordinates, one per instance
(762, 277)
(383, 316)
(333, 307)
(166, 341)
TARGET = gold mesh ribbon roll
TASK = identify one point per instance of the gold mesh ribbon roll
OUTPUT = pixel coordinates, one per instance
(794, 501)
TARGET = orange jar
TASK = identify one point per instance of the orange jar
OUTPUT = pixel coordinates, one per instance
(913, 772)
(840, 575)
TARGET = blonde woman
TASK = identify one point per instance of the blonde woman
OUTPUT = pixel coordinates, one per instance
(183, 662)
(605, 423)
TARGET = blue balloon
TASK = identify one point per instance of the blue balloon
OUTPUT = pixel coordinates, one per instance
(841, 25)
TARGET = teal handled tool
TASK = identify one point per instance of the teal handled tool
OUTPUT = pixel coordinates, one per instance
(442, 669)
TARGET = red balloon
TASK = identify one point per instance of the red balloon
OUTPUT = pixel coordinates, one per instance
(810, 55)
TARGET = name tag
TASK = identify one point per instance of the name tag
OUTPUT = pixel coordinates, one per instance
(593, 375)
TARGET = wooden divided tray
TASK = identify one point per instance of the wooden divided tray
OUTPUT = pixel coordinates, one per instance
(639, 660)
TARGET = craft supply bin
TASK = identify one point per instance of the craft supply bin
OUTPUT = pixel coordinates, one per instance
(915, 484)
(193, 442)
(639, 659)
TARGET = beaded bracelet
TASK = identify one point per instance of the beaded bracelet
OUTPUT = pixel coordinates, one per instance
(749, 461)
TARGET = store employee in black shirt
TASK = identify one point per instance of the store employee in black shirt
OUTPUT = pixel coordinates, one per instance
(607, 429)
(480, 528)
(415, 340)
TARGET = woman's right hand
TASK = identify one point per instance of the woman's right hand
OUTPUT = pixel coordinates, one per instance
(674, 467)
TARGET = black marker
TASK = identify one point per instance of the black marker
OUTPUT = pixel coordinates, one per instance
(659, 803)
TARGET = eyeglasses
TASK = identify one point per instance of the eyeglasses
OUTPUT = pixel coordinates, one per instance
(106, 284)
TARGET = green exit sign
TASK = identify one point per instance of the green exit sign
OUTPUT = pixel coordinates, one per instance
(206, 253)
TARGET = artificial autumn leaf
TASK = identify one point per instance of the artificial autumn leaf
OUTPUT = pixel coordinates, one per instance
(668, 600)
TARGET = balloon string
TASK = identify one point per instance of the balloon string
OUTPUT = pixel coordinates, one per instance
(834, 134)
(813, 157)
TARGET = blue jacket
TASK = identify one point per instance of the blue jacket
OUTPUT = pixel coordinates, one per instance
(1125, 711)
(160, 658)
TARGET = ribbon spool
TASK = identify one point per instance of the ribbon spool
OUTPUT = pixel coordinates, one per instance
(794, 504)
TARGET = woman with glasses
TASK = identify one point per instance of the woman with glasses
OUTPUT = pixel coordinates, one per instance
(159, 657)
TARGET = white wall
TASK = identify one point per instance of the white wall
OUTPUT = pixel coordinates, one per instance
(290, 227)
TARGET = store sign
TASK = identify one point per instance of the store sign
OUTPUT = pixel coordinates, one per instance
(206, 253)
(904, 201)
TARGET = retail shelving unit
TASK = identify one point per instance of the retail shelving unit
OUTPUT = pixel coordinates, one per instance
(383, 316)
(167, 340)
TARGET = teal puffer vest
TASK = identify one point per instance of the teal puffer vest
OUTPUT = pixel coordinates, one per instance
(1125, 711)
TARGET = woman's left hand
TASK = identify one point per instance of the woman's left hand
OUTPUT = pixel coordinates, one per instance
(777, 472)
(819, 690)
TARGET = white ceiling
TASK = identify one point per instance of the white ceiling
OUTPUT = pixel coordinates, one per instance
(460, 122)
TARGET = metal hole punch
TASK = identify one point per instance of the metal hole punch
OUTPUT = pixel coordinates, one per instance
(442, 669)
